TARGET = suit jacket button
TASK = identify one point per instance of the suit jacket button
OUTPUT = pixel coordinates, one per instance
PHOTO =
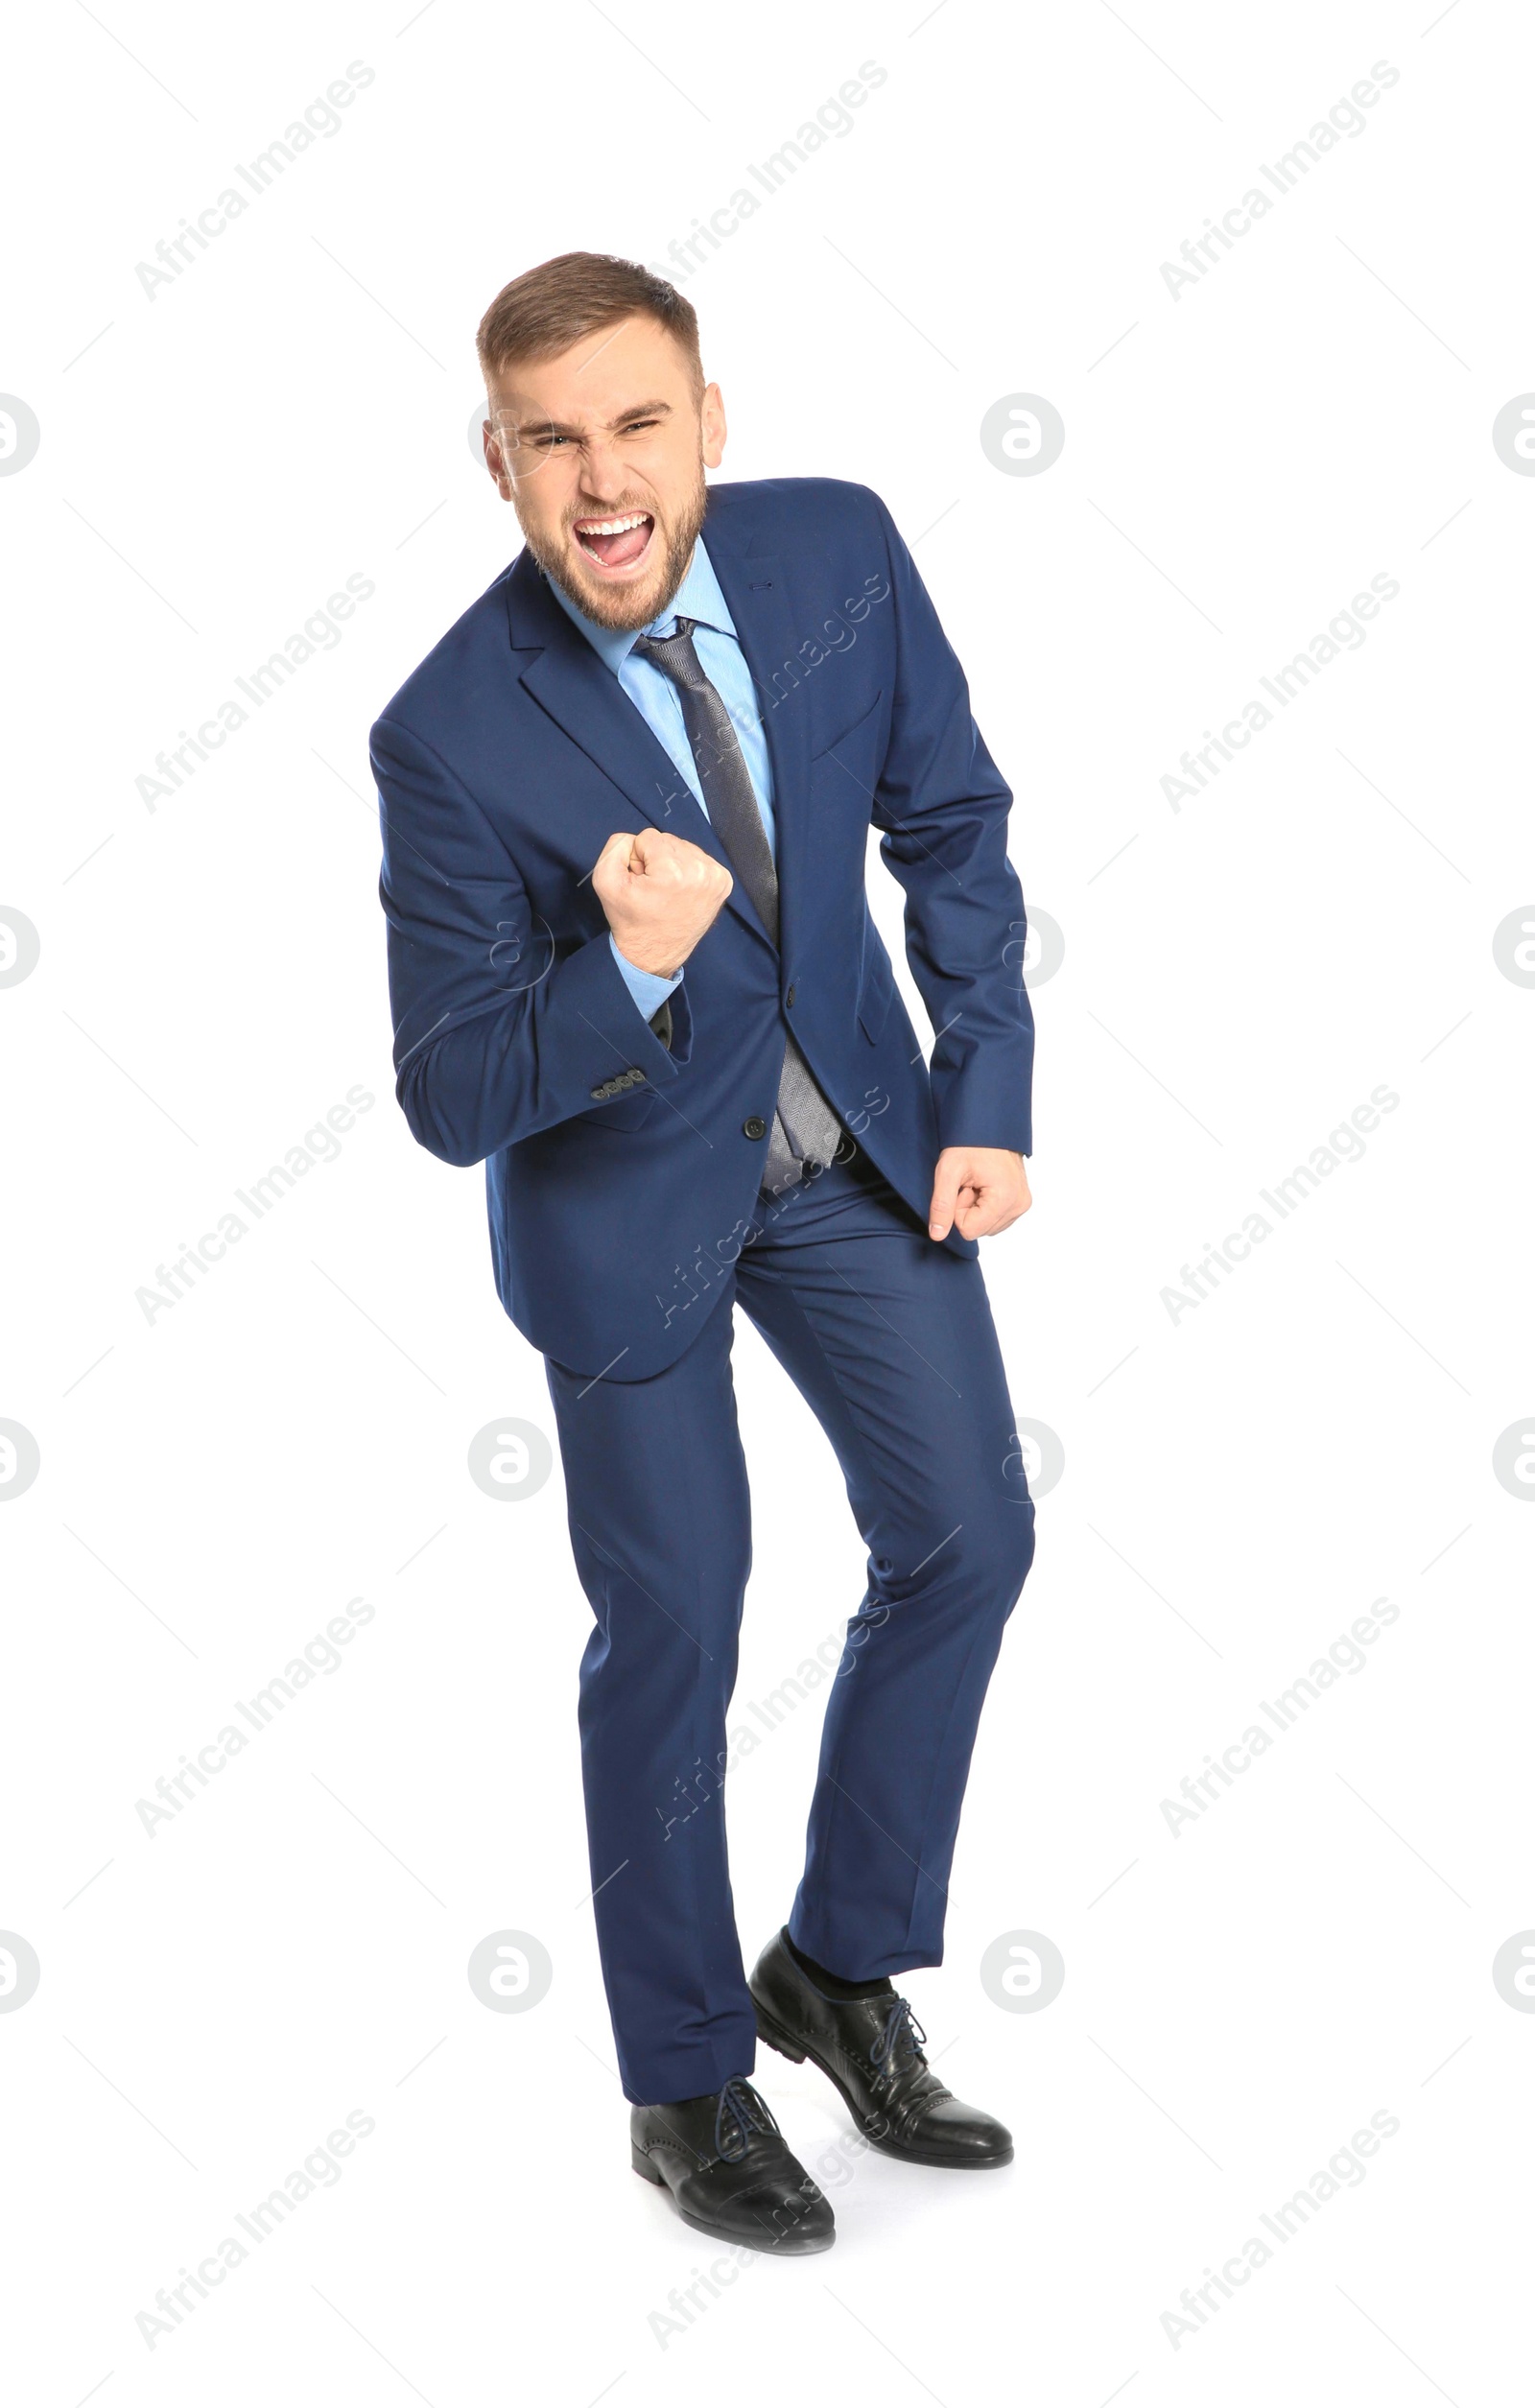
(755, 1128)
(597, 1095)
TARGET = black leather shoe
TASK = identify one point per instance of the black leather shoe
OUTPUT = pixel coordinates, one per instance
(731, 2172)
(872, 2049)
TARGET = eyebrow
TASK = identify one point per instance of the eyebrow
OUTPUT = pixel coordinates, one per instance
(552, 426)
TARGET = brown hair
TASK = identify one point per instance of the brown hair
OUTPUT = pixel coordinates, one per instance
(546, 310)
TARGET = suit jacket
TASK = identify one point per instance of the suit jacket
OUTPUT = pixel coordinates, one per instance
(622, 1173)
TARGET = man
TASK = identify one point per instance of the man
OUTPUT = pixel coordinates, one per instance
(624, 807)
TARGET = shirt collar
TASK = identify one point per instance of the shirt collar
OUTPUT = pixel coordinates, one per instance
(699, 597)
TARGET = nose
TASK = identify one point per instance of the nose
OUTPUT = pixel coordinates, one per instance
(602, 474)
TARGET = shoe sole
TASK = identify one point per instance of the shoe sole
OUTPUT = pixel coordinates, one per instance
(775, 2036)
(786, 2246)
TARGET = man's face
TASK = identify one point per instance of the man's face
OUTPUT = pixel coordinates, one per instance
(602, 452)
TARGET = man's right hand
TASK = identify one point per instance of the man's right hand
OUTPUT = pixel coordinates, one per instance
(660, 894)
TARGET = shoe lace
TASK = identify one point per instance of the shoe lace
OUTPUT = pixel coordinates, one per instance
(898, 2045)
(740, 2113)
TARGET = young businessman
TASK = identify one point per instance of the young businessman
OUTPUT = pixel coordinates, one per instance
(625, 807)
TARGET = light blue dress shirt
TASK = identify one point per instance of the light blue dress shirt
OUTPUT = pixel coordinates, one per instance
(657, 698)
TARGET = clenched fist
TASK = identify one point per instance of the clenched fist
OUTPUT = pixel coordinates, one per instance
(661, 894)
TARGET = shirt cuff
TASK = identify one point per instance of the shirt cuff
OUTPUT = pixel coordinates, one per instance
(648, 987)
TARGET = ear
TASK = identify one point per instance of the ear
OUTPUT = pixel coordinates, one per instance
(495, 466)
(712, 428)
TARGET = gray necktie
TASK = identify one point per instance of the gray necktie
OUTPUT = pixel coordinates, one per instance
(805, 1127)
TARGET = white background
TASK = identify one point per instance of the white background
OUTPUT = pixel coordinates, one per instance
(1240, 1483)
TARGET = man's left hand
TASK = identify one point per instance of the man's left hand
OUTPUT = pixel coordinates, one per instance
(978, 1189)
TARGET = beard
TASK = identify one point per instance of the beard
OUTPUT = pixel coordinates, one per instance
(624, 609)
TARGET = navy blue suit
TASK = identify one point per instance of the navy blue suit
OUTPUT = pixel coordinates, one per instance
(626, 1217)
(506, 761)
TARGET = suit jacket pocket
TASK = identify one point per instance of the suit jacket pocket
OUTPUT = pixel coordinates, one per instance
(621, 1112)
(853, 749)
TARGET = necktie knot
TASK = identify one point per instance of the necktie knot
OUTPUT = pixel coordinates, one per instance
(674, 654)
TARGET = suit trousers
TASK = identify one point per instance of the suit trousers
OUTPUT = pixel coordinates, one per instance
(888, 1338)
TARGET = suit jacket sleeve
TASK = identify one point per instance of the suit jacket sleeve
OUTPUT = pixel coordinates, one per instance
(500, 1028)
(943, 806)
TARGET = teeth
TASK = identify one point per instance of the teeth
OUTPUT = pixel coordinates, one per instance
(612, 525)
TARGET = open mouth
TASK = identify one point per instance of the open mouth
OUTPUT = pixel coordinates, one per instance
(616, 543)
